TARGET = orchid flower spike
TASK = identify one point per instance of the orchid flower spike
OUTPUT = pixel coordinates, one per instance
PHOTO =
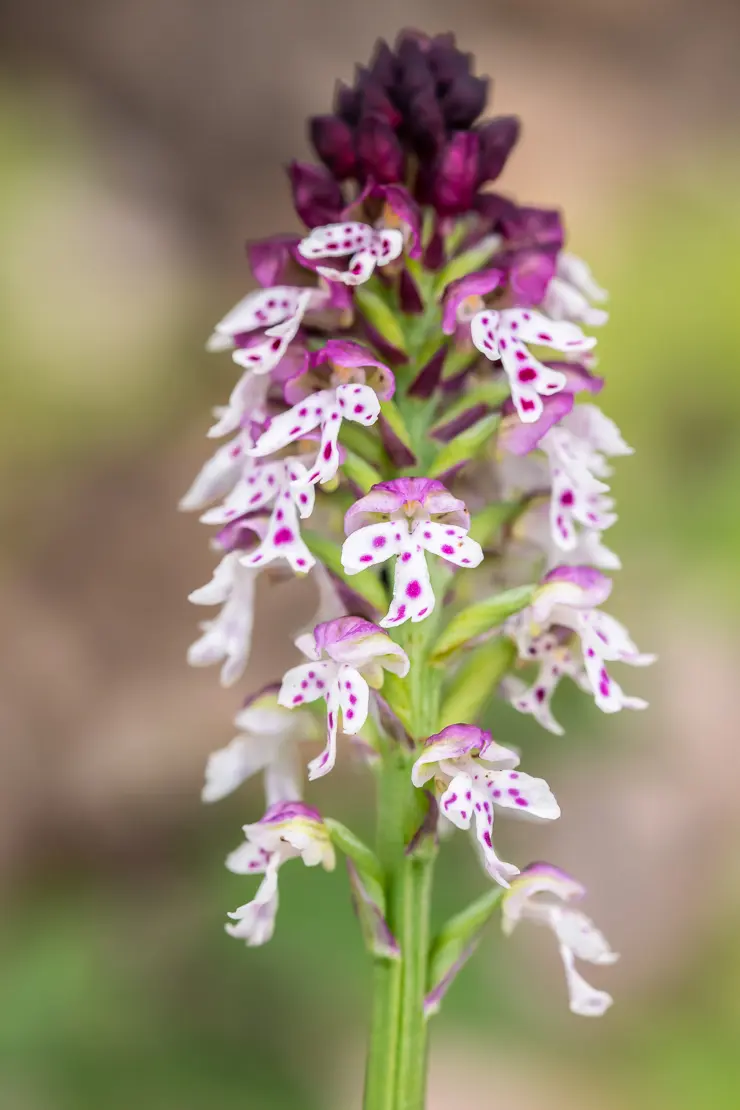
(341, 381)
(567, 635)
(288, 830)
(541, 894)
(472, 774)
(357, 652)
(395, 519)
(268, 741)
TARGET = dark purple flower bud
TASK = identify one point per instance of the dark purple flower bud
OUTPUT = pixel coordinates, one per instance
(461, 423)
(396, 450)
(452, 186)
(497, 139)
(317, 197)
(425, 383)
(270, 258)
(379, 153)
(533, 228)
(411, 302)
(494, 209)
(464, 101)
(383, 65)
(434, 255)
(376, 105)
(334, 143)
(348, 103)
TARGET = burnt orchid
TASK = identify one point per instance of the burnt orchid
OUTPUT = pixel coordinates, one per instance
(415, 367)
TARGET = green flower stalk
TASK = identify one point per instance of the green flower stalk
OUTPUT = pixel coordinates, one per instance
(396, 376)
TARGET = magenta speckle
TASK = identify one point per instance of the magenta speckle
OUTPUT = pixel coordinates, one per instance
(413, 589)
(283, 536)
(379, 541)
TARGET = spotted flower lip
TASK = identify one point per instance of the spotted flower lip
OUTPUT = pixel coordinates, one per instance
(473, 775)
(347, 366)
(567, 635)
(541, 894)
(358, 652)
(410, 531)
(288, 830)
(366, 246)
(503, 335)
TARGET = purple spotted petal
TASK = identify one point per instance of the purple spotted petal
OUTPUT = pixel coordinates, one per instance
(473, 285)
(516, 438)
(459, 740)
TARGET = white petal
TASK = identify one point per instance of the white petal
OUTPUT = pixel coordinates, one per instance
(336, 240)
(372, 545)
(576, 272)
(219, 475)
(218, 590)
(231, 766)
(413, 597)
(264, 357)
(388, 245)
(259, 487)
(361, 268)
(262, 309)
(283, 539)
(306, 683)
(247, 400)
(585, 1000)
(532, 327)
(358, 403)
(354, 698)
(449, 542)
(484, 333)
(522, 794)
(294, 424)
(324, 763)
(326, 464)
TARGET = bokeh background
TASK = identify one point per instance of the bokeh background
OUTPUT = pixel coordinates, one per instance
(141, 142)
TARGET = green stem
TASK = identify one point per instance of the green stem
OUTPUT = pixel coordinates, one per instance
(396, 1068)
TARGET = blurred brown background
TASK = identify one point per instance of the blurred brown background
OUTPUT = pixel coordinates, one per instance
(141, 143)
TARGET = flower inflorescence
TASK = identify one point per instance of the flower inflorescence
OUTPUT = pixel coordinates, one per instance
(395, 361)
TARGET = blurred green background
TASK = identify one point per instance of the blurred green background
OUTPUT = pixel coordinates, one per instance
(141, 143)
